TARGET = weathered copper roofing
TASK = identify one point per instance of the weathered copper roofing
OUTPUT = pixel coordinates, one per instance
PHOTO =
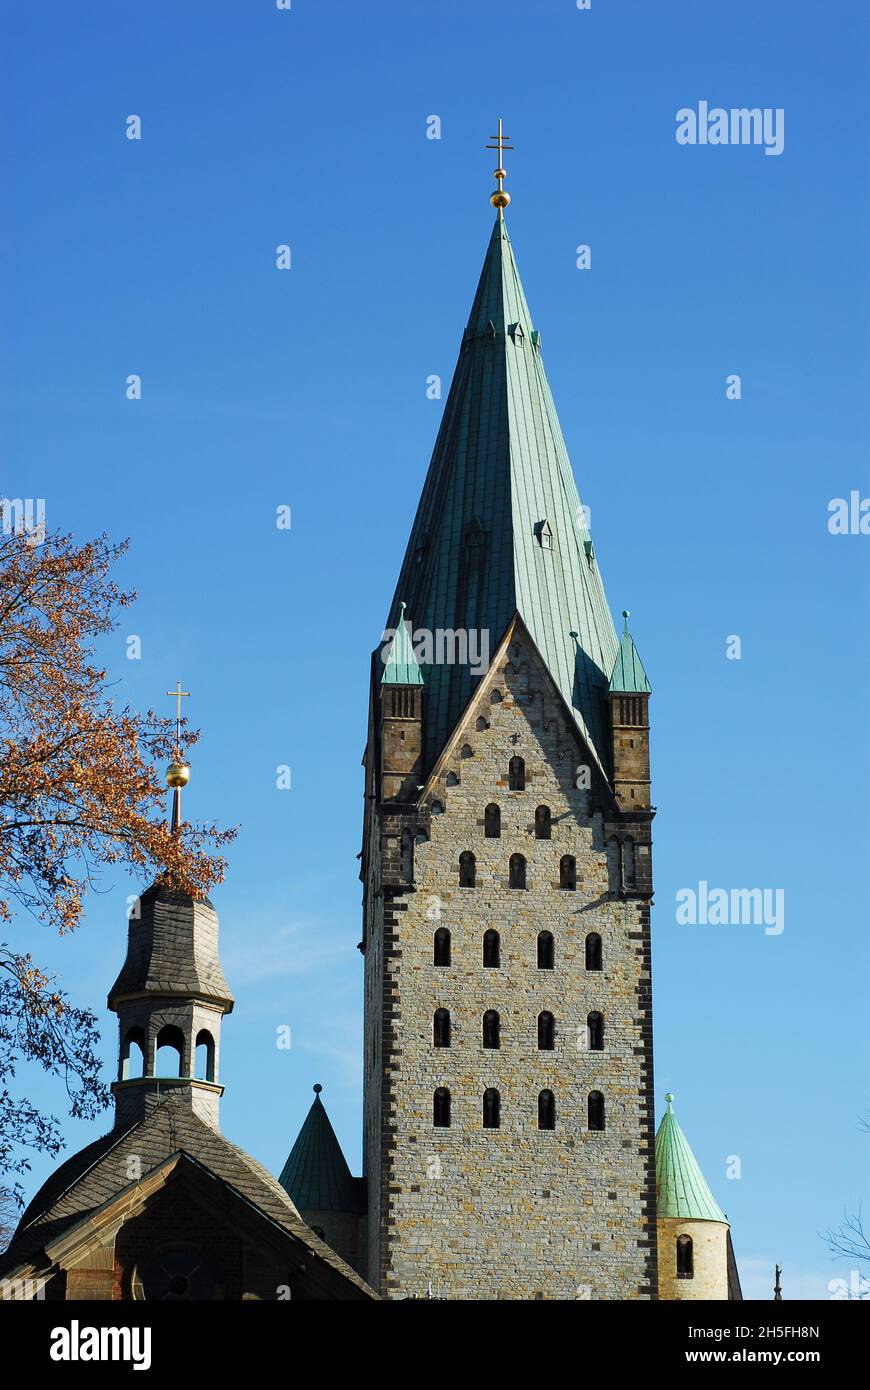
(681, 1187)
(629, 677)
(499, 528)
(401, 666)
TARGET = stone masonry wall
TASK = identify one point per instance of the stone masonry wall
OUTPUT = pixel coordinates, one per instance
(513, 1212)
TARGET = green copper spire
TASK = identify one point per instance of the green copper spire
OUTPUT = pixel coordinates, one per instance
(401, 666)
(500, 528)
(681, 1188)
(629, 677)
(316, 1176)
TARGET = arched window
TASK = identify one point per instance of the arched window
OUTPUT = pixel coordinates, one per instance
(491, 1029)
(441, 1028)
(203, 1068)
(441, 954)
(685, 1258)
(491, 1109)
(546, 1110)
(491, 949)
(595, 1032)
(517, 775)
(467, 869)
(593, 951)
(568, 873)
(542, 823)
(492, 822)
(133, 1055)
(546, 1032)
(546, 950)
(595, 1110)
(517, 871)
(170, 1050)
(441, 1108)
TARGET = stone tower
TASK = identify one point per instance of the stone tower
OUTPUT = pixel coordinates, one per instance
(507, 868)
(696, 1257)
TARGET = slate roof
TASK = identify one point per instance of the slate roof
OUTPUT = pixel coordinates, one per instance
(316, 1175)
(629, 677)
(681, 1187)
(99, 1172)
(499, 471)
(172, 948)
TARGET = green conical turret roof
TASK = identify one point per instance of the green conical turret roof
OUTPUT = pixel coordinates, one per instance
(316, 1176)
(401, 666)
(681, 1187)
(499, 528)
(629, 677)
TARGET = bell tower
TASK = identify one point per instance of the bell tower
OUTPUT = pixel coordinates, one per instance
(171, 995)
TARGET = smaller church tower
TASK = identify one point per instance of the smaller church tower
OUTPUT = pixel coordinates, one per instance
(401, 718)
(318, 1181)
(696, 1257)
(170, 997)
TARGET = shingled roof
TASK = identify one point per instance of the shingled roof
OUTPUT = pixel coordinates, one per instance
(100, 1172)
(499, 528)
(172, 948)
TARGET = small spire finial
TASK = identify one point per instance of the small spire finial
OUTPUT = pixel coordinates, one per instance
(777, 1287)
(670, 1097)
(178, 772)
(317, 1088)
(626, 615)
(500, 198)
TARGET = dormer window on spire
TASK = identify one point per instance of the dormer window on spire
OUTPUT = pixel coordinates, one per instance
(544, 533)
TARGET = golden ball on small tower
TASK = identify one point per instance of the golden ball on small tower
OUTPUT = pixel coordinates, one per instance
(177, 775)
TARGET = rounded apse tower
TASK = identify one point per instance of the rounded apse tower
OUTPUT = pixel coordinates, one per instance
(695, 1256)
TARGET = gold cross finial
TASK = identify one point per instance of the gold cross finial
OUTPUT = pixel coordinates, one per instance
(500, 198)
(180, 695)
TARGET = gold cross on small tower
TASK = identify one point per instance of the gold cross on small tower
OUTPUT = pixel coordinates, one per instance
(500, 198)
(180, 695)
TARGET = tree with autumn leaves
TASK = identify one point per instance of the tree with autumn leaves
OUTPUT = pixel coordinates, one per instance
(81, 790)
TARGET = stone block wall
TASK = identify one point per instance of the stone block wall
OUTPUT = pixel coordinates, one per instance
(513, 1212)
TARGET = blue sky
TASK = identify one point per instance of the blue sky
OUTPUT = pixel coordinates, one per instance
(307, 388)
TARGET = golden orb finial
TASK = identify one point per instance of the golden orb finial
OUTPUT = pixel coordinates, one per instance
(499, 198)
(177, 775)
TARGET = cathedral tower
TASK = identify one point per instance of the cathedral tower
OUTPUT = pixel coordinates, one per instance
(507, 867)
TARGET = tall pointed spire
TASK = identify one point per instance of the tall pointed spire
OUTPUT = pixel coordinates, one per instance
(500, 527)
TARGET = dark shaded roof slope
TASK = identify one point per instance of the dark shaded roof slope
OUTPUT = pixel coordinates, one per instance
(99, 1172)
(316, 1175)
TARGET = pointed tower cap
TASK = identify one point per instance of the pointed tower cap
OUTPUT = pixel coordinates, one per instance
(401, 666)
(628, 676)
(316, 1176)
(681, 1187)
